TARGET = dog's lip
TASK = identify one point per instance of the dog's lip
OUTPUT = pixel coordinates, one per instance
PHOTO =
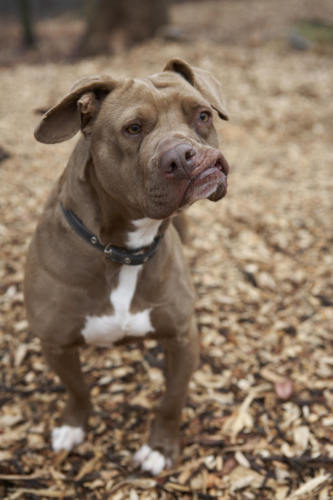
(220, 163)
(208, 171)
(206, 182)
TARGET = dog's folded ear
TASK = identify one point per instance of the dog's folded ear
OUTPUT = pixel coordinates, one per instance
(75, 111)
(203, 81)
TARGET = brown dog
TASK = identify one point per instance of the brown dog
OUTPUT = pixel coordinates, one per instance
(105, 265)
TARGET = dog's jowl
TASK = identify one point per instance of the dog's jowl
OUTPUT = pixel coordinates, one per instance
(105, 265)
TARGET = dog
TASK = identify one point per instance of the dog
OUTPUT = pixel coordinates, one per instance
(105, 265)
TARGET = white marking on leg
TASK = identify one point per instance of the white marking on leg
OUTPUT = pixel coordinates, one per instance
(66, 437)
(141, 454)
(107, 329)
(151, 460)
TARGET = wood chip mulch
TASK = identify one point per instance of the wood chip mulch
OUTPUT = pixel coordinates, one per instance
(258, 421)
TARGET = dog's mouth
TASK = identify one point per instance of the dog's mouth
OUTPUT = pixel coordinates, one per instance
(210, 182)
(202, 176)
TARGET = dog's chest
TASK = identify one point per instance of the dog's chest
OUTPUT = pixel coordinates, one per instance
(109, 328)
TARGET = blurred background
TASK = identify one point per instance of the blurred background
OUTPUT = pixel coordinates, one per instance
(258, 421)
(37, 30)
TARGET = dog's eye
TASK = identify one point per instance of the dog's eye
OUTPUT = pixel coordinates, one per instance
(205, 116)
(133, 129)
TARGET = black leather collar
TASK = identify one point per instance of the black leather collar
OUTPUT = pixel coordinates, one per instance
(135, 257)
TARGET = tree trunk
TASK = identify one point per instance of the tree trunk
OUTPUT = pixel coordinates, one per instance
(29, 38)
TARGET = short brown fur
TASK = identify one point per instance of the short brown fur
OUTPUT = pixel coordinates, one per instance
(111, 180)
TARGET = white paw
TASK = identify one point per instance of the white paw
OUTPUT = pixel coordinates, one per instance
(66, 437)
(151, 460)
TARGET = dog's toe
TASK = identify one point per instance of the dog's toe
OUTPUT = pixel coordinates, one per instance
(151, 460)
(66, 437)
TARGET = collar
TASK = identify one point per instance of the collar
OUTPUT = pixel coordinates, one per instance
(119, 255)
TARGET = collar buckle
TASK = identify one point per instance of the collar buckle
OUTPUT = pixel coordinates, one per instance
(108, 250)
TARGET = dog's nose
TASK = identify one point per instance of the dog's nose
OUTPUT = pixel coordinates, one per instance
(178, 161)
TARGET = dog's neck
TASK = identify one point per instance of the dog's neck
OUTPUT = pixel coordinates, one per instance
(109, 220)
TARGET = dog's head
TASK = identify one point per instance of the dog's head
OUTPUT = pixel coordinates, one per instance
(152, 141)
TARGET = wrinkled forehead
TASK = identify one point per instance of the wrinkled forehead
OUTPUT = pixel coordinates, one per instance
(163, 90)
(169, 80)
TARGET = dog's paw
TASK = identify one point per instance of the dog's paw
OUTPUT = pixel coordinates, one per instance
(66, 437)
(151, 460)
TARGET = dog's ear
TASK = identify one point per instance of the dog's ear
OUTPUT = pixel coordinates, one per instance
(75, 111)
(203, 81)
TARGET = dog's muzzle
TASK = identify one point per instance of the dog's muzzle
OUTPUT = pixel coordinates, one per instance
(201, 172)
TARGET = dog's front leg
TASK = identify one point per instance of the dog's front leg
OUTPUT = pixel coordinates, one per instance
(65, 362)
(162, 449)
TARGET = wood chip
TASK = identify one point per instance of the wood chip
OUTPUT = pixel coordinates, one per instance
(259, 409)
(310, 486)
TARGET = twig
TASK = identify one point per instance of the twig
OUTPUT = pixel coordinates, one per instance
(301, 461)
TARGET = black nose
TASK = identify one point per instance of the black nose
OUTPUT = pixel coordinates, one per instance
(178, 161)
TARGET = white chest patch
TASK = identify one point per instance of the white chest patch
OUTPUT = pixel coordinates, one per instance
(107, 329)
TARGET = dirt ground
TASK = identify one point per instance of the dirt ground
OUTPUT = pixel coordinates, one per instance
(258, 423)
